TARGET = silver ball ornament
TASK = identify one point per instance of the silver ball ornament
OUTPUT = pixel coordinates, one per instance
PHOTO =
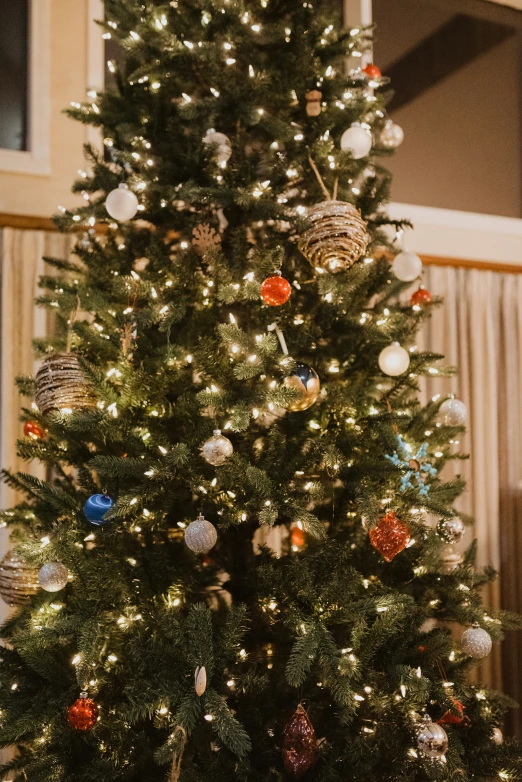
(407, 266)
(453, 412)
(432, 739)
(217, 449)
(53, 576)
(450, 560)
(391, 136)
(222, 144)
(498, 736)
(357, 140)
(394, 360)
(452, 530)
(200, 535)
(122, 203)
(476, 642)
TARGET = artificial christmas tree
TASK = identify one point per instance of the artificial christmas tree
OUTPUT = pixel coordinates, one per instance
(180, 645)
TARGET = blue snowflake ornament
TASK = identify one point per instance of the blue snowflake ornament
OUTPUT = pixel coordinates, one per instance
(416, 468)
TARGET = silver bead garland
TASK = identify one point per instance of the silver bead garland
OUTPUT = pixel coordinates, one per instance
(61, 384)
(334, 237)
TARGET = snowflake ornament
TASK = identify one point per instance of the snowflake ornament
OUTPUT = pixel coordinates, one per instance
(416, 466)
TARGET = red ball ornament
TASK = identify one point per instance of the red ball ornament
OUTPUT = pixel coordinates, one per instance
(83, 714)
(299, 744)
(390, 536)
(32, 429)
(454, 717)
(420, 297)
(373, 71)
(297, 537)
(275, 290)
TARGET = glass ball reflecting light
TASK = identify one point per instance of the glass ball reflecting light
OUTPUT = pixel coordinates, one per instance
(217, 449)
(200, 535)
(453, 412)
(432, 739)
(306, 382)
(391, 136)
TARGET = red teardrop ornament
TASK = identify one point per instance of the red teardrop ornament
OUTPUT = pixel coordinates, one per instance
(32, 429)
(373, 71)
(454, 717)
(390, 536)
(299, 744)
(420, 297)
(83, 714)
(275, 290)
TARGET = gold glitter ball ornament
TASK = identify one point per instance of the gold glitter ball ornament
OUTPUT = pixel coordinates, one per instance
(62, 385)
(334, 237)
(18, 581)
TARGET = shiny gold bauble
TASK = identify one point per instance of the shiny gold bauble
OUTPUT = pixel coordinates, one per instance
(18, 581)
(334, 237)
(62, 385)
(305, 380)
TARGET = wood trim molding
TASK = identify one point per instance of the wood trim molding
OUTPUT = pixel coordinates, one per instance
(468, 263)
(26, 222)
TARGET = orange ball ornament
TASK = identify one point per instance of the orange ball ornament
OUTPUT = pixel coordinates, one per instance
(33, 430)
(454, 717)
(420, 297)
(373, 71)
(275, 290)
(82, 715)
(390, 536)
(297, 537)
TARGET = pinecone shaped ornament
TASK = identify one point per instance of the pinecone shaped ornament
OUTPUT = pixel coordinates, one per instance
(299, 744)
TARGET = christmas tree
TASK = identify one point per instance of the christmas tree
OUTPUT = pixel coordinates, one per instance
(242, 563)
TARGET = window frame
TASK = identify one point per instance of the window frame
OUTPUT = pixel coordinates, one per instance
(36, 159)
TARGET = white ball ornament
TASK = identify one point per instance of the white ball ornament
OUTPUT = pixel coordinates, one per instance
(453, 412)
(498, 736)
(217, 449)
(357, 140)
(476, 642)
(53, 576)
(432, 739)
(391, 136)
(407, 266)
(223, 147)
(122, 203)
(394, 360)
(200, 535)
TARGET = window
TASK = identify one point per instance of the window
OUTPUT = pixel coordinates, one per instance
(456, 72)
(14, 57)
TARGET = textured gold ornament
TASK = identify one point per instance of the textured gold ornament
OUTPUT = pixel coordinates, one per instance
(335, 236)
(18, 581)
(61, 384)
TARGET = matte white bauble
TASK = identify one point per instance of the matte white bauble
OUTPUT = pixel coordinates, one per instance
(476, 642)
(394, 360)
(357, 140)
(222, 142)
(453, 412)
(498, 736)
(53, 576)
(122, 203)
(407, 266)
(392, 135)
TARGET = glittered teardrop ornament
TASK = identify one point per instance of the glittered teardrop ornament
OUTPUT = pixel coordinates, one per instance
(334, 237)
(299, 744)
(390, 536)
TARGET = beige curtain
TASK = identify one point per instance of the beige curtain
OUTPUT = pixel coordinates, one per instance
(479, 329)
(22, 264)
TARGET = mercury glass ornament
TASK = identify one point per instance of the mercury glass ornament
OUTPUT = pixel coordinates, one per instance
(217, 449)
(305, 380)
(407, 266)
(450, 560)
(452, 530)
(53, 576)
(334, 236)
(200, 535)
(61, 385)
(391, 135)
(299, 744)
(476, 642)
(357, 140)
(453, 412)
(18, 581)
(122, 203)
(432, 739)
(222, 144)
(497, 736)
(394, 360)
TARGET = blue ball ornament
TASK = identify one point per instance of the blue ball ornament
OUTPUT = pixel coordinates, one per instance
(96, 507)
